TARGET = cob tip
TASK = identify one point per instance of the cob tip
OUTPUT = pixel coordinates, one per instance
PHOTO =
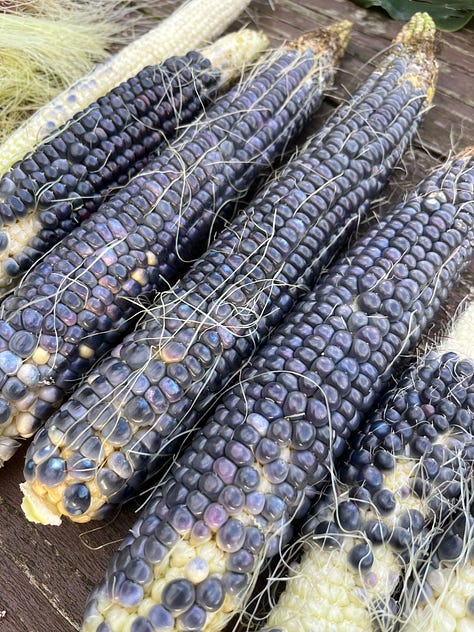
(330, 40)
(418, 38)
(36, 509)
(232, 52)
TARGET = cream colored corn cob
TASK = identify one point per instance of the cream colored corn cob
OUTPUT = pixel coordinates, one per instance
(192, 24)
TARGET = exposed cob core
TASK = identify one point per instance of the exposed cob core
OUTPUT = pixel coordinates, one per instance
(230, 495)
(79, 300)
(201, 332)
(408, 471)
(194, 23)
(44, 196)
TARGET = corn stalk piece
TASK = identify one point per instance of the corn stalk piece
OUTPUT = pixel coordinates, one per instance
(78, 302)
(407, 473)
(202, 331)
(66, 178)
(192, 556)
(194, 23)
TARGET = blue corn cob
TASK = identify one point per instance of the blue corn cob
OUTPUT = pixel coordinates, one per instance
(78, 302)
(190, 559)
(45, 195)
(164, 376)
(406, 474)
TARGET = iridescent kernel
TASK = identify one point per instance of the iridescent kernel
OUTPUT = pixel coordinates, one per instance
(178, 595)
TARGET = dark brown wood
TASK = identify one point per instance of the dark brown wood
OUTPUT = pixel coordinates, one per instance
(46, 573)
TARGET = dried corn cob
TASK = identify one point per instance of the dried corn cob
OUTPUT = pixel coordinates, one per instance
(46, 195)
(76, 303)
(195, 22)
(441, 595)
(202, 331)
(190, 559)
(404, 477)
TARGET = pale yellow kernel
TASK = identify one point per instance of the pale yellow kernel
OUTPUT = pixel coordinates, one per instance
(157, 589)
(40, 356)
(119, 619)
(139, 275)
(197, 570)
(25, 424)
(151, 259)
(181, 554)
(145, 606)
(86, 352)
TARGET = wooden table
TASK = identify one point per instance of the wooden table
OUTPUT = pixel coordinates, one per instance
(46, 573)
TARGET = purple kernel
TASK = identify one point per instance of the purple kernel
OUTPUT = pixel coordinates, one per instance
(130, 594)
(141, 624)
(235, 583)
(232, 498)
(76, 499)
(303, 435)
(192, 619)
(178, 596)
(242, 561)
(161, 618)
(51, 472)
(259, 423)
(230, 537)
(238, 453)
(267, 451)
(200, 532)
(210, 594)
(215, 516)
(181, 520)
(225, 469)
(276, 472)
(274, 508)
(197, 502)
(139, 572)
(155, 551)
(255, 502)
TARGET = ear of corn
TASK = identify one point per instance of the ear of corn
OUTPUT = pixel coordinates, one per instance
(66, 178)
(224, 307)
(408, 471)
(230, 495)
(78, 302)
(194, 23)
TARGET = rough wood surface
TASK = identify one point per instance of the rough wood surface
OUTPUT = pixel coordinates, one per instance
(46, 573)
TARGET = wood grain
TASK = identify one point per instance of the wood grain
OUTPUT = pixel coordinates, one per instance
(46, 573)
